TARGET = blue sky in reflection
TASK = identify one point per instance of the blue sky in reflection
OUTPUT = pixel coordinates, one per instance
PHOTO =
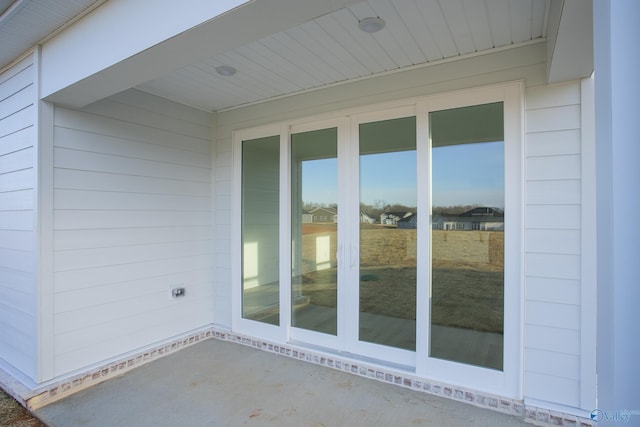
(462, 174)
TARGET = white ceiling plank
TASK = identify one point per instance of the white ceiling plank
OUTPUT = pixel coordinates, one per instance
(499, 21)
(363, 45)
(336, 53)
(175, 90)
(205, 78)
(537, 18)
(412, 18)
(478, 20)
(339, 35)
(520, 20)
(245, 83)
(247, 68)
(456, 19)
(265, 52)
(310, 65)
(208, 95)
(255, 64)
(384, 37)
(433, 17)
(319, 46)
(396, 36)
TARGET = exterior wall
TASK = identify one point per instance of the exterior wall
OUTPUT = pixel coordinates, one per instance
(553, 244)
(18, 250)
(132, 203)
(552, 200)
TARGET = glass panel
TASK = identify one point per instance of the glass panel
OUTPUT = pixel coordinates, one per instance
(467, 236)
(260, 230)
(314, 217)
(388, 233)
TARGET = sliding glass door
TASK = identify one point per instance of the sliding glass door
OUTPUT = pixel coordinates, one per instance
(390, 234)
(260, 230)
(467, 235)
(387, 241)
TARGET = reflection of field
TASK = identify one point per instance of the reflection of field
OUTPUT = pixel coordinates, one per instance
(465, 294)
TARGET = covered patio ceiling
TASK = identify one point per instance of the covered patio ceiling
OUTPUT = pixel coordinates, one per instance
(331, 49)
(280, 47)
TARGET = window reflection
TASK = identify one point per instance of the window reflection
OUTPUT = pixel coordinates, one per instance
(467, 236)
(314, 196)
(260, 229)
(388, 216)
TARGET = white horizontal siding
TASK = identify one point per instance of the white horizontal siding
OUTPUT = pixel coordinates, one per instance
(562, 365)
(18, 286)
(79, 279)
(564, 340)
(132, 219)
(559, 390)
(109, 218)
(553, 244)
(104, 238)
(553, 290)
(553, 241)
(95, 342)
(98, 200)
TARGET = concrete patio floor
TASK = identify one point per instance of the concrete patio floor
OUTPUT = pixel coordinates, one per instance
(217, 383)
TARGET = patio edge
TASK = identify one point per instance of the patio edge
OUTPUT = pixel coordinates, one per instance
(54, 391)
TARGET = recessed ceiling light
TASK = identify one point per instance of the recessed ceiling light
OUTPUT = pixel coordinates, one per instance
(371, 24)
(225, 70)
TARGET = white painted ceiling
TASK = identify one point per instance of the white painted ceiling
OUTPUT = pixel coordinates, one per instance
(324, 51)
(331, 49)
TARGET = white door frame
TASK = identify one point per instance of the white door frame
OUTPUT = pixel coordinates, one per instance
(507, 382)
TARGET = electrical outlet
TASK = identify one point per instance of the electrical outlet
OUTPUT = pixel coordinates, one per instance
(177, 292)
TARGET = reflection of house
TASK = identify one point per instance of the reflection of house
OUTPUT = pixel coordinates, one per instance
(320, 215)
(307, 217)
(408, 222)
(392, 218)
(364, 218)
(482, 218)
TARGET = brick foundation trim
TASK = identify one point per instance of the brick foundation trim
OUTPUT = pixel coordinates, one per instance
(60, 389)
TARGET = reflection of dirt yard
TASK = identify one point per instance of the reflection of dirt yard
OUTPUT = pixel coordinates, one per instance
(465, 294)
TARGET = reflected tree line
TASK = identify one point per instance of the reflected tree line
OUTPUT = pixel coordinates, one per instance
(379, 207)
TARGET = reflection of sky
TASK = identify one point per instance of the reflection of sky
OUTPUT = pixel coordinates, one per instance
(468, 174)
(388, 177)
(462, 175)
(320, 181)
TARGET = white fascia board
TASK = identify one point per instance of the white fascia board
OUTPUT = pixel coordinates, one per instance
(570, 40)
(127, 42)
(118, 30)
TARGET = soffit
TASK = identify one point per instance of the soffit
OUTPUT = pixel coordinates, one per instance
(331, 49)
(25, 23)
